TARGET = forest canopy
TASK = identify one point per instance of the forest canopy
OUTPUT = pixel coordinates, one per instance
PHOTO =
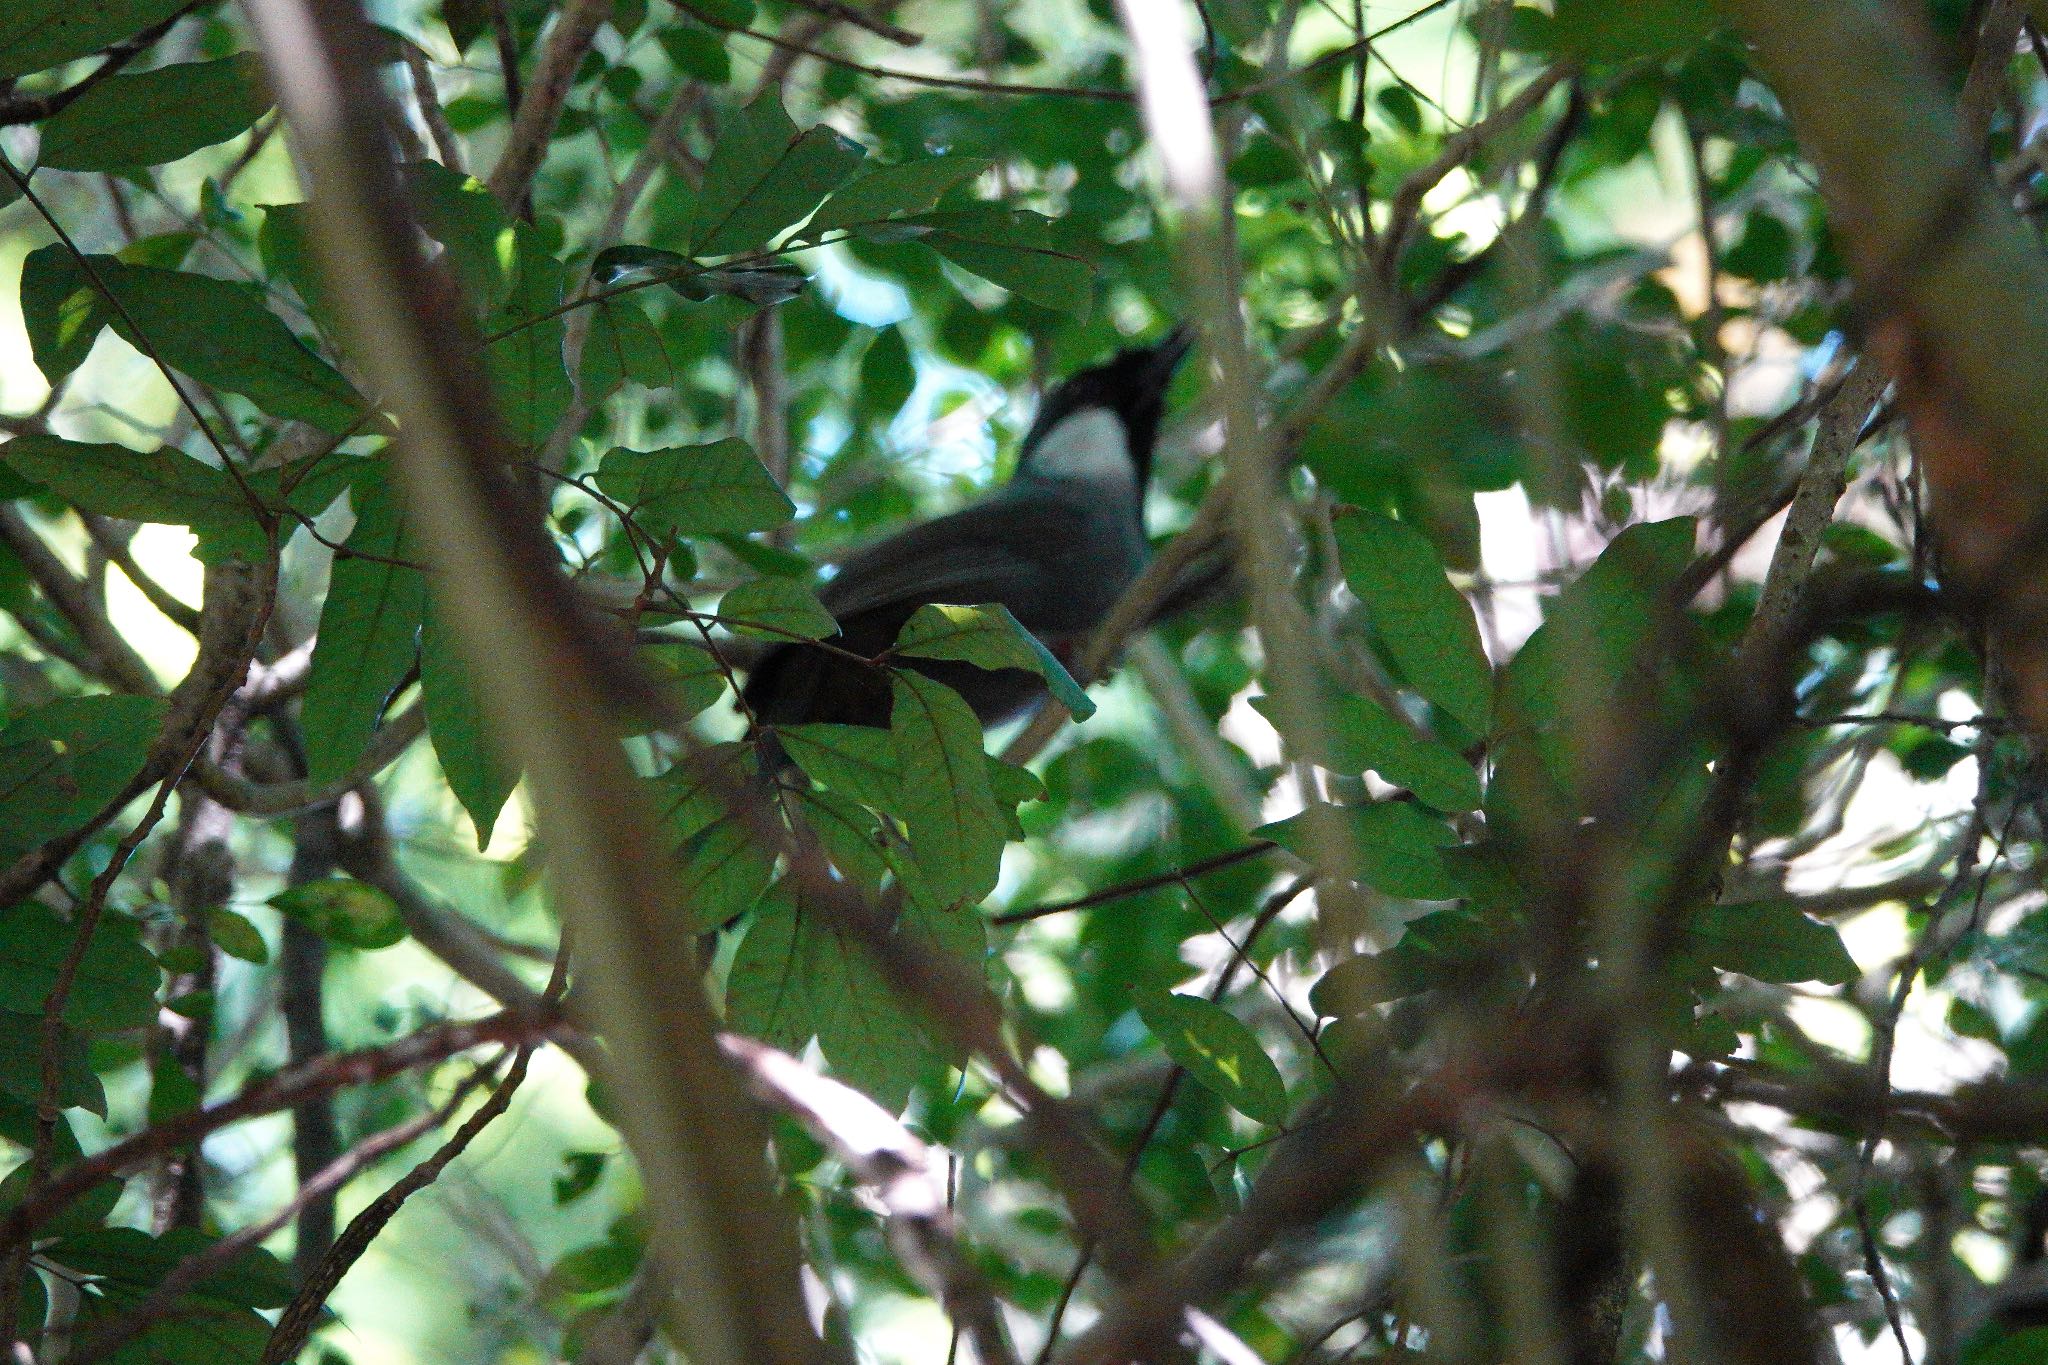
(1534, 856)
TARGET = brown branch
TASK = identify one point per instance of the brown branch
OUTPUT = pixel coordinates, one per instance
(322, 1184)
(899, 1170)
(116, 660)
(272, 799)
(852, 14)
(303, 1312)
(1955, 285)
(1820, 487)
(428, 101)
(282, 1090)
(113, 543)
(1115, 94)
(240, 599)
(540, 108)
(718, 1231)
(36, 108)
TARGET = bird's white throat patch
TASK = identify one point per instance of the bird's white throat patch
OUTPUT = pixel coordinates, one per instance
(1089, 445)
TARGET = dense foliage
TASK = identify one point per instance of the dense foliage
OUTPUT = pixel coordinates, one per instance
(1567, 891)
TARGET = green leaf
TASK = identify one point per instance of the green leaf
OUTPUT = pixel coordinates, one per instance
(62, 762)
(480, 779)
(796, 977)
(851, 835)
(1597, 638)
(1358, 734)
(117, 980)
(1017, 250)
(1622, 30)
(887, 374)
(764, 176)
(2027, 1346)
(458, 212)
(61, 311)
(216, 1320)
(1437, 949)
(707, 490)
(697, 52)
(623, 344)
(285, 242)
(525, 360)
(1219, 1051)
(234, 935)
(724, 867)
(345, 911)
(64, 312)
(1426, 623)
(956, 829)
(161, 485)
(222, 335)
(156, 117)
(1770, 941)
(21, 1067)
(38, 34)
(368, 639)
(776, 609)
(725, 870)
(857, 761)
(693, 793)
(989, 637)
(892, 191)
(1395, 847)
(693, 676)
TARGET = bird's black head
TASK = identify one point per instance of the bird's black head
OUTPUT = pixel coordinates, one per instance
(1131, 385)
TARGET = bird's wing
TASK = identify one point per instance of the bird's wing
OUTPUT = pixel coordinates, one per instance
(1001, 549)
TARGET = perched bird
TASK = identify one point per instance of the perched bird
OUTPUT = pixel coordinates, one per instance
(1057, 545)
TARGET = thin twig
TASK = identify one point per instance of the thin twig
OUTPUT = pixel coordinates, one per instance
(303, 1312)
(36, 108)
(1178, 876)
(278, 1091)
(540, 109)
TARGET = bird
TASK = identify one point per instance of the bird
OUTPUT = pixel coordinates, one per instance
(1057, 545)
